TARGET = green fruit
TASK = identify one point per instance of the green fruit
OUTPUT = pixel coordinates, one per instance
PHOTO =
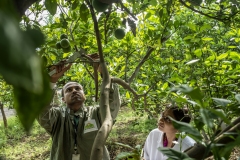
(65, 43)
(119, 33)
(58, 45)
(63, 36)
(66, 50)
(99, 6)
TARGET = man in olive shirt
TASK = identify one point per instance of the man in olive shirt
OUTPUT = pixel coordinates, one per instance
(73, 128)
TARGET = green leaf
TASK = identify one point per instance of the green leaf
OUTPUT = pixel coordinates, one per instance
(198, 53)
(124, 145)
(84, 12)
(180, 99)
(207, 39)
(36, 37)
(205, 27)
(75, 4)
(147, 15)
(51, 6)
(173, 154)
(220, 113)
(29, 105)
(192, 26)
(207, 117)
(222, 56)
(19, 63)
(124, 155)
(195, 94)
(128, 95)
(221, 102)
(199, 123)
(165, 86)
(187, 128)
(237, 96)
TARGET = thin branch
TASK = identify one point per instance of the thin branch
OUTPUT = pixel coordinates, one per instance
(89, 72)
(63, 11)
(125, 85)
(105, 23)
(150, 50)
(71, 33)
(127, 10)
(126, 63)
(97, 32)
(197, 11)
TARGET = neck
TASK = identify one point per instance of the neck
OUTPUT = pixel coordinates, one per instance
(170, 138)
(75, 107)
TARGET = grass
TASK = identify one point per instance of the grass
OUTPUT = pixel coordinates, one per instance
(130, 129)
(15, 144)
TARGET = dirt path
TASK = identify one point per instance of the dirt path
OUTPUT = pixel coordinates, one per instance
(8, 113)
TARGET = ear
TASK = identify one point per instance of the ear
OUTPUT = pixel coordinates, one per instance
(63, 100)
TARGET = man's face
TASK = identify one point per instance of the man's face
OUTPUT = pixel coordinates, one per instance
(73, 94)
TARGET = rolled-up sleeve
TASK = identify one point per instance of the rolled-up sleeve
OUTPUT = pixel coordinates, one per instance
(48, 117)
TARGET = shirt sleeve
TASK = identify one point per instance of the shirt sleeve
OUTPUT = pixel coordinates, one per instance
(146, 148)
(114, 101)
(48, 116)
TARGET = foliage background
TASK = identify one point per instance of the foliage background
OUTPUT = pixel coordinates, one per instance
(184, 52)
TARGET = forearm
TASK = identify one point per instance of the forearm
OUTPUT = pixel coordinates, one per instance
(44, 118)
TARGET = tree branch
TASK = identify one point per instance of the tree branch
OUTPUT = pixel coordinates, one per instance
(107, 122)
(150, 50)
(197, 11)
(127, 10)
(124, 85)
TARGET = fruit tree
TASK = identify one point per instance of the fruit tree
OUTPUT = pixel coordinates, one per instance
(158, 51)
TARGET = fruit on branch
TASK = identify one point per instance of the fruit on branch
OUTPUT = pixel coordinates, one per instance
(58, 45)
(63, 36)
(66, 50)
(119, 33)
(99, 6)
(65, 43)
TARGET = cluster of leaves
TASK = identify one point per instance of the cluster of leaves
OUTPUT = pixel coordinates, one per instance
(21, 66)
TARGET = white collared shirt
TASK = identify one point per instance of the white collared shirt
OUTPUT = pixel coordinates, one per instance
(155, 140)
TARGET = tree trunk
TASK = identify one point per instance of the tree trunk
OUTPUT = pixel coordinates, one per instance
(3, 115)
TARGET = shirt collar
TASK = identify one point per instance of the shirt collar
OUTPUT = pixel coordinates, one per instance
(79, 112)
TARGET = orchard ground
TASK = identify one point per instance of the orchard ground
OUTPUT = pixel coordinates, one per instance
(130, 129)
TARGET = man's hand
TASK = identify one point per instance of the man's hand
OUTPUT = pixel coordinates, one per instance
(60, 70)
(95, 57)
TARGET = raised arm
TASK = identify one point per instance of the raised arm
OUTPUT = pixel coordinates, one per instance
(49, 115)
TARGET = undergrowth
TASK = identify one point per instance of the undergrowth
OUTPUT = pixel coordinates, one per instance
(15, 144)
